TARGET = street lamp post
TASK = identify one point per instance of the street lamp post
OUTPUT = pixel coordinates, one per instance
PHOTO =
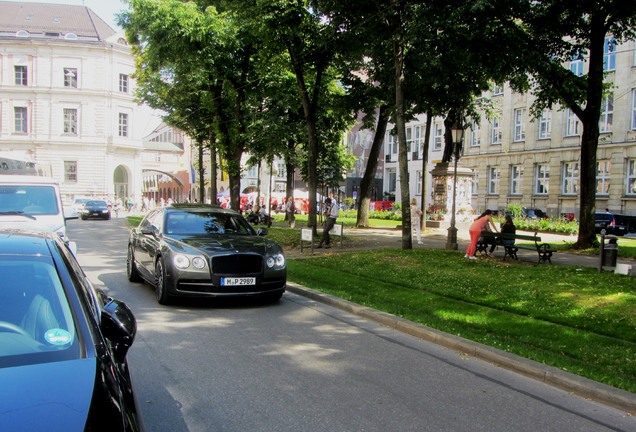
(457, 132)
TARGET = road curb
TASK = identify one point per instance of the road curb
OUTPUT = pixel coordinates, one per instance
(580, 386)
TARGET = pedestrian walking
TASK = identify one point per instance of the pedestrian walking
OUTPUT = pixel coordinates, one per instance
(289, 211)
(331, 212)
(416, 220)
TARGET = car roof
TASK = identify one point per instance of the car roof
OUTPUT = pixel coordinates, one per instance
(26, 179)
(26, 242)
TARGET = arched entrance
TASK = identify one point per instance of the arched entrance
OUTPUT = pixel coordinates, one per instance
(120, 182)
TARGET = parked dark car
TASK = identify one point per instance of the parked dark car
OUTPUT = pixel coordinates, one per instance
(609, 222)
(533, 213)
(199, 250)
(95, 209)
(63, 343)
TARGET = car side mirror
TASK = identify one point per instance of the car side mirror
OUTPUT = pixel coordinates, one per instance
(119, 326)
(262, 232)
(149, 230)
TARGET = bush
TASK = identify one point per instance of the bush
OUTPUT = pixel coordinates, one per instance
(559, 226)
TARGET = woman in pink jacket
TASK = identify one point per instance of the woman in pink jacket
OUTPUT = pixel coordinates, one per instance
(475, 232)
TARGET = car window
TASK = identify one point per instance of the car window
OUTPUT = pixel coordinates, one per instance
(96, 204)
(36, 323)
(206, 223)
(34, 200)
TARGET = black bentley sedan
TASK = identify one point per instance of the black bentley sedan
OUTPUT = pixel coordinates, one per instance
(199, 250)
(63, 343)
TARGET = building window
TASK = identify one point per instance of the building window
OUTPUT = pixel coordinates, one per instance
(497, 89)
(392, 181)
(123, 83)
(70, 121)
(609, 54)
(414, 141)
(418, 177)
(20, 117)
(542, 180)
(570, 178)
(252, 172)
(475, 135)
(281, 170)
(70, 77)
(123, 125)
(516, 176)
(474, 183)
(21, 75)
(633, 109)
(545, 124)
(572, 123)
(603, 169)
(391, 148)
(496, 135)
(576, 66)
(607, 114)
(438, 137)
(70, 171)
(631, 177)
(493, 180)
(520, 128)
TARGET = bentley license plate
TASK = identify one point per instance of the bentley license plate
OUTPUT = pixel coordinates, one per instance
(238, 281)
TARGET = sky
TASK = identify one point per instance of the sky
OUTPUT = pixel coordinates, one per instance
(106, 9)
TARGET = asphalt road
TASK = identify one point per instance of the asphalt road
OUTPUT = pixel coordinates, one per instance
(299, 365)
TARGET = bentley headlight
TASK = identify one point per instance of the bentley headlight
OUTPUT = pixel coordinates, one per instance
(181, 261)
(277, 260)
(198, 262)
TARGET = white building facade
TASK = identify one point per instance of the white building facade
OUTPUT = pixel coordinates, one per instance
(66, 98)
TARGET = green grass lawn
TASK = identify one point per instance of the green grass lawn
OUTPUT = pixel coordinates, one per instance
(575, 319)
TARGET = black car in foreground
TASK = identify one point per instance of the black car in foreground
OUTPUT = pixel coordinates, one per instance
(198, 250)
(63, 343)
(95, 209)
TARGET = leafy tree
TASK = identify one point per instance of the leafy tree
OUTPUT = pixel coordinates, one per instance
(207, 49)
(557, 32)
(299, 32)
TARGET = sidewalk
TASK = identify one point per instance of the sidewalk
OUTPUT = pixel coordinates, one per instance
(435, 238)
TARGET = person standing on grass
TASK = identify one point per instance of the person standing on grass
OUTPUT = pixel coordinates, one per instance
(416, 220)
(289, 210)
(475, 232)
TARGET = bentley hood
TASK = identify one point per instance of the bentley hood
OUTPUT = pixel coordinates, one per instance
(223, 244)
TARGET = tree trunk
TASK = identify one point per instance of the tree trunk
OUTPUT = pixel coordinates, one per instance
(309, 104)
(213, 167)
(589, 140)
(372, 164)
(398, 58)
(427, 136)
(201, 170)
(290, 169)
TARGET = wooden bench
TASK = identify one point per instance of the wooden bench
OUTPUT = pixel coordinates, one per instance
(543, 249)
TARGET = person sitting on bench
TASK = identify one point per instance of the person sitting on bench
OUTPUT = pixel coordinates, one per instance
(508, 227)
